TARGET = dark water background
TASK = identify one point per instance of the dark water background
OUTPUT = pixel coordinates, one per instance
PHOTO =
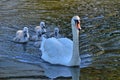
(99, 39)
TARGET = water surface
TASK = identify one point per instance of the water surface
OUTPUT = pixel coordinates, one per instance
(99, 39)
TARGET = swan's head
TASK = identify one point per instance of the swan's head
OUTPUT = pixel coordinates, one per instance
(42, 24)
(75, 22)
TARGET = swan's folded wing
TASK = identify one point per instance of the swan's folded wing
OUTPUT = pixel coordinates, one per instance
(55, 52)
(52, 50)
(66, 42)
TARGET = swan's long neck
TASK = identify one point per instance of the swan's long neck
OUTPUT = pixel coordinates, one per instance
(75, 60)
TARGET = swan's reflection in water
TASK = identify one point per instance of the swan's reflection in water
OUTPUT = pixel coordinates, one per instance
(57, 71)
(61, 71)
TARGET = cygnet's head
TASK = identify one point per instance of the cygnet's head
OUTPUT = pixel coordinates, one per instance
(56, 29)
(42, 24)
(25, 31)
(76, 22)
(56, 32)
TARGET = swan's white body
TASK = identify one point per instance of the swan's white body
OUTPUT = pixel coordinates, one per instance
(62, 51)
(22, 36)
(58, 48)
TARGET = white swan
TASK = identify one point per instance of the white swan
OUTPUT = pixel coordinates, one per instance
(39, 30)
(22, 36)
(63, 51)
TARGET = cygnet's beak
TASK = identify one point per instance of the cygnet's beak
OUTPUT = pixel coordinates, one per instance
(55, 33)
(44, 26)
(25, 35)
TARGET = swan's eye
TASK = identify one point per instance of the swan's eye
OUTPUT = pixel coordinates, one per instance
(77, 21)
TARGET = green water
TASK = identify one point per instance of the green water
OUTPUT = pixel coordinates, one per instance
(100, 35)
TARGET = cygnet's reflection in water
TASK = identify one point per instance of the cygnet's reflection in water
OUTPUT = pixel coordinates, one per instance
(24, 45)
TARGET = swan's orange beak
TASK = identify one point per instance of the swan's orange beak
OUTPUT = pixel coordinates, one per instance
(78, 25)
